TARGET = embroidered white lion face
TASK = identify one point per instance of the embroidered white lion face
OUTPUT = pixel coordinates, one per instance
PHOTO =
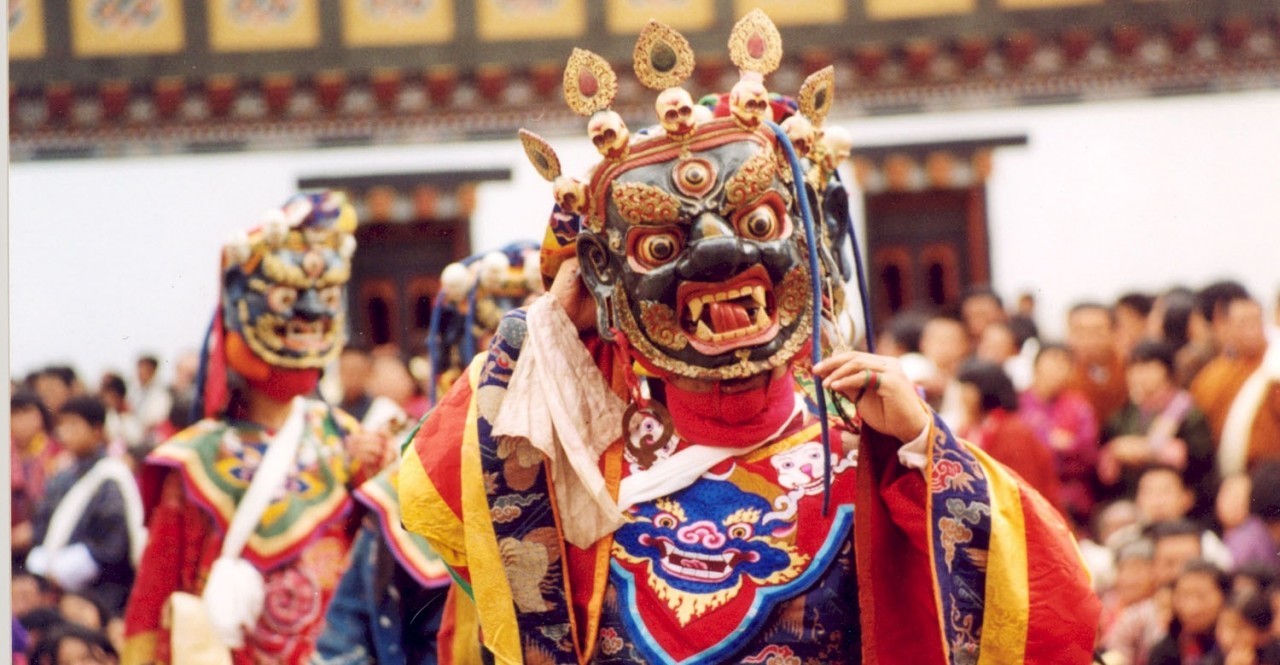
(800, 468)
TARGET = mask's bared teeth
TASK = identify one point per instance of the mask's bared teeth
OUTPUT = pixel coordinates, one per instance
(695, 309)
(757, 294)
(704, 333)
(762, 319)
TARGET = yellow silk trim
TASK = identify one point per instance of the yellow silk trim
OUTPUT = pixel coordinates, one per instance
(466, 634)
(424, 512)
(1007, 607)
(140, 649)
(494, 603)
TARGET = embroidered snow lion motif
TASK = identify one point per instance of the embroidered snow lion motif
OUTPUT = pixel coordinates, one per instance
(699, 544)
(528, 562)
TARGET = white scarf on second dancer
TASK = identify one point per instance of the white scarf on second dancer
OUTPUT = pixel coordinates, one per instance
(234, 592)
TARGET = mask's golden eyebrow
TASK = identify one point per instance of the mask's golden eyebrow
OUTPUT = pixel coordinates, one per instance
(284, 272)
(753, 179)
(643, 204)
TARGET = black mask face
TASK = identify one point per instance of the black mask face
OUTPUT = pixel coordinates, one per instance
(700, 262)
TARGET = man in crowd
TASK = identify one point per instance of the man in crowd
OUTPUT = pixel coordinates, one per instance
(1239, 390)
(355, 366)
(151, 398)
(1159, 425)
(946, 344)
(979, 308)
(1132, 311)
(1099, 368)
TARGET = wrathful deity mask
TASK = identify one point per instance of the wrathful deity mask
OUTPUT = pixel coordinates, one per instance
(284, 284)
(690, 233)
(700, 262)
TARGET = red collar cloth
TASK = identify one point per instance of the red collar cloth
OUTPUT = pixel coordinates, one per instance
(732, 420)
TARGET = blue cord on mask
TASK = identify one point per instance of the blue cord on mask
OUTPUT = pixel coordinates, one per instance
(815, 279)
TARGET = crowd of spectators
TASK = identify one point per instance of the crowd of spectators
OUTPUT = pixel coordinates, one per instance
(1154, 427)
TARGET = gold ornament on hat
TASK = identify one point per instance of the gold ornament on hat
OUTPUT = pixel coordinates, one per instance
(590, 84)
(662, 61)
(662, 57)
(541, 155)
(816, 95)
(570, 193)
(755, 44)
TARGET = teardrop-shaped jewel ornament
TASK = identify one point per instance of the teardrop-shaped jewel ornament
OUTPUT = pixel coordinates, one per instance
(817, 95)
(662, 58)
(590, 84)
(541, 155)
(755, 44)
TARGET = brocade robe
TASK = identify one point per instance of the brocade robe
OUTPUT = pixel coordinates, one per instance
(192, 485)
(962, 563)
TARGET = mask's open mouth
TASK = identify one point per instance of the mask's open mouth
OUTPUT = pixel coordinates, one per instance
(296, 334)
(729, 315)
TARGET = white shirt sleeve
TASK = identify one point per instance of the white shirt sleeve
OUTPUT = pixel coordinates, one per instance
(911, 454)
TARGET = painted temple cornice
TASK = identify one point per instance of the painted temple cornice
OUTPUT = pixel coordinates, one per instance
(399, 105)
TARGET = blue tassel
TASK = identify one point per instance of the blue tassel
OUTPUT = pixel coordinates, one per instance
(433, 343)
(469, 336)
(815, 279)
(202, 374)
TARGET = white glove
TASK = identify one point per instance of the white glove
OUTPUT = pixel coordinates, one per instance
(234, 596)
(73, 567)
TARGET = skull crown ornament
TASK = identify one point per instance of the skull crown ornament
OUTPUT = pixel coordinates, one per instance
(689, 233)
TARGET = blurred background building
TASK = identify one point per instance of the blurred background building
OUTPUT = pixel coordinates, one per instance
(1073, 149)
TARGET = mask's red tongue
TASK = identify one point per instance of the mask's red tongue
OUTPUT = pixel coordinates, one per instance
(728, 316)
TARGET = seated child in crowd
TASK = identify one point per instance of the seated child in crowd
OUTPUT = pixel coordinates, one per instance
(1139, 626)
(1098, 558)
(72, 644)
(1163, 496)
(1243, 632)
(1199, 594)
(1134, 581)
(1244, 533)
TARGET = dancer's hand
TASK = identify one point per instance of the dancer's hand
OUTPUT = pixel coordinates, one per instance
(569, 289)
(371, 451)
(885, 397)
